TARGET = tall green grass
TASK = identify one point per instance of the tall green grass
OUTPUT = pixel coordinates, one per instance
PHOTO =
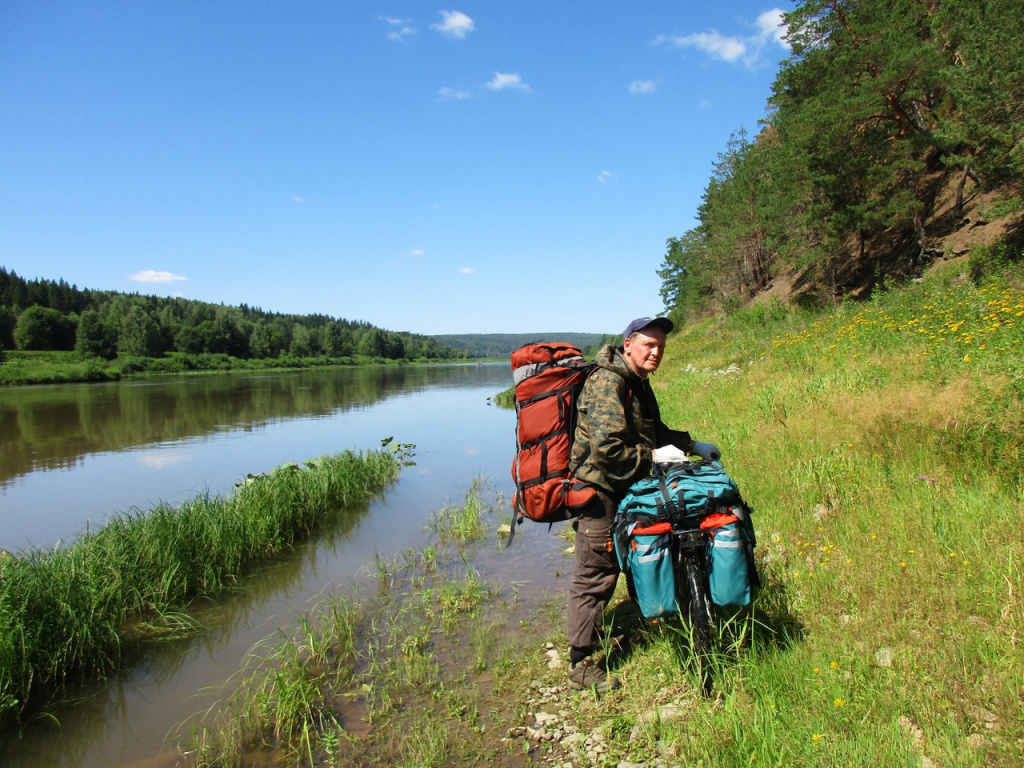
(70, 614)
(880, 446)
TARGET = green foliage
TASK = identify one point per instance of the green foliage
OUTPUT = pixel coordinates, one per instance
(93, 338)
(8, 321)
(985, 81)
(139, 334)
(502, 345)
(41, 329)
(100, 324)
(880, 104)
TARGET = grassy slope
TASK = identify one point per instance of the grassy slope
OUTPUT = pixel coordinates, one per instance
(880, 446)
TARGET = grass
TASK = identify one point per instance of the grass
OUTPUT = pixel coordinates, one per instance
(398, 660)
(24, 367)
(73, 613)
(506, 398)
(880, 447)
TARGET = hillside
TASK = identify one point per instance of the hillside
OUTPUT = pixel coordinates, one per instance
(501, 345)
(893, 138)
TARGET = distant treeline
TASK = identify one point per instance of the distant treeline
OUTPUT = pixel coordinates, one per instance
(886, 116)
(52, 315)
(501, 345)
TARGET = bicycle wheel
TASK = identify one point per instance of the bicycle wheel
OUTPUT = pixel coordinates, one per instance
(702, 621)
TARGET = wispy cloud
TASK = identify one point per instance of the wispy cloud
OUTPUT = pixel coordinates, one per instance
(605, 176)
(299, 199)
(152, 276)
(453, 94)
(454, 24)
(503, 80)
(642, 86)
(418, 252)
(398, 29)
(467, 271)
(744, 49)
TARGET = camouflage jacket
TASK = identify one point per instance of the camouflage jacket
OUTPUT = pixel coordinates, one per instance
(618, 426)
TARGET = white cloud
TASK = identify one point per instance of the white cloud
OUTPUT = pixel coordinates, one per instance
(418, 252)
(456, 24)
(746, 49)
(453, 94)
(467, 271)
(398, 29)
(713, 43)
(772, 27)
(642, 86)
(152, 276)
(503, 80)
(299, 199)
(605, 176)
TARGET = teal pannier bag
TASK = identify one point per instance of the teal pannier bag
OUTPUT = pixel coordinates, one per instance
(645, 556)
(682, 492)
(729, 566)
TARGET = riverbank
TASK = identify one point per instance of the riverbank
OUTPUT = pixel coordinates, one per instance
(880, 446)
(74, 613)
(24, 368)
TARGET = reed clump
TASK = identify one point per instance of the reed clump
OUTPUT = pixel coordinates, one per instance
(70, 613)
(506, 398)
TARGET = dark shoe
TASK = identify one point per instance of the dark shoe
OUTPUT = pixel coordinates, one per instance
(588, 674)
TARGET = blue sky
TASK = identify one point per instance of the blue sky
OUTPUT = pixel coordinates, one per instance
(474, 167)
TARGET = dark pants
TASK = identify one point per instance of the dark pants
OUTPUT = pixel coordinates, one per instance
(594, 573)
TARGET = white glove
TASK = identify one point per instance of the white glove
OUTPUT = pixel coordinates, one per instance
(668, 454)
(707, 451)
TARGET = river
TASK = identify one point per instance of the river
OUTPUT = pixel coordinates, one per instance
(72, 455)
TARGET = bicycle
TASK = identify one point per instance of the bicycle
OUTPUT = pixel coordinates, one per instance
(688, 553)
(672, 545)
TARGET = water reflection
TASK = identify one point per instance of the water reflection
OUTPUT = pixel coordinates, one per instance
(53, 427)
(70, 456)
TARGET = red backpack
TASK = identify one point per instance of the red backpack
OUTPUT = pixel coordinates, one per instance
(548, 378)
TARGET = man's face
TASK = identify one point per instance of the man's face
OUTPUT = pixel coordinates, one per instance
(644, 350)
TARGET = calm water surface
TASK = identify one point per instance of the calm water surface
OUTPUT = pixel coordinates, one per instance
(70, 456)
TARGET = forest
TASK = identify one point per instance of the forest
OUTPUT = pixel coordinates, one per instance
(44, 315)
(886, 120)
(501, 345)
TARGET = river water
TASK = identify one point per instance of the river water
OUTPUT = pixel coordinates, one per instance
(72, 455)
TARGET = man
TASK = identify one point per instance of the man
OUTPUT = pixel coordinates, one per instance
(619, 436)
